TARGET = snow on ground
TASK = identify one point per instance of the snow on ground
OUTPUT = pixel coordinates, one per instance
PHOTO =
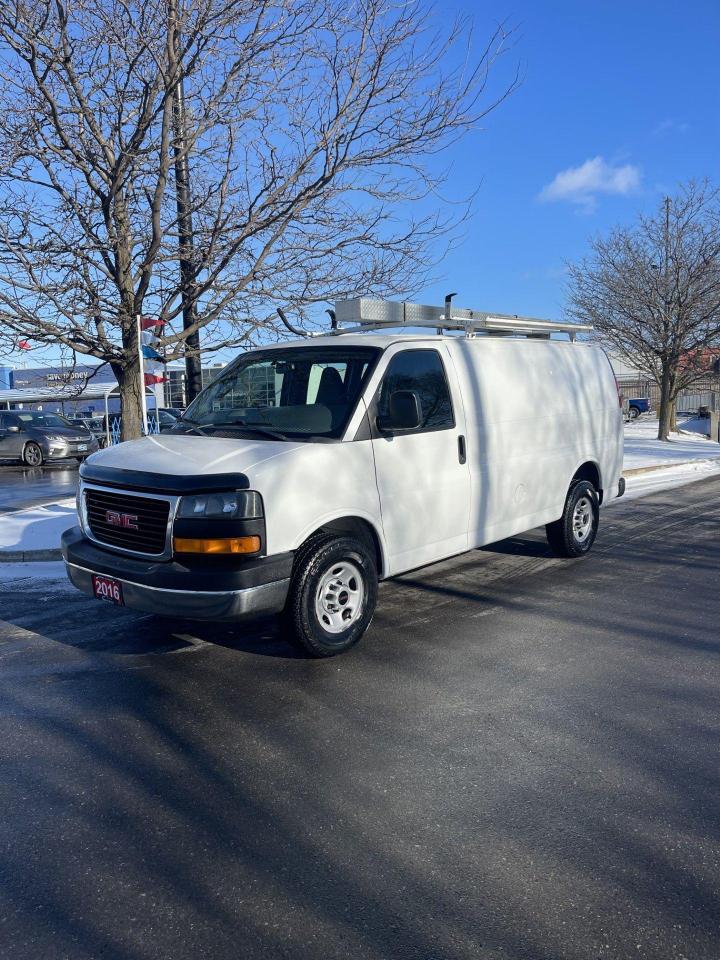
(37, 528)
(643, 484)
(694, 425)
(643, 449)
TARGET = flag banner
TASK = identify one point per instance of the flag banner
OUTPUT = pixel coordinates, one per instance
(151, 378)
(149, 338)
(151, 354)
(24, 345)
(147, 323)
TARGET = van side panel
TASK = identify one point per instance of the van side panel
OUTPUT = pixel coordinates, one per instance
(536, 410)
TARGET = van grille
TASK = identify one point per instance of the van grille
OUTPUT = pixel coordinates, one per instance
(128, 522)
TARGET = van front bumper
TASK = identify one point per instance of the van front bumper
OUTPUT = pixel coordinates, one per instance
(195, 590)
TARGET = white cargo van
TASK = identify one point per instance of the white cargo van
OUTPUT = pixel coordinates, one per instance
(307, 471)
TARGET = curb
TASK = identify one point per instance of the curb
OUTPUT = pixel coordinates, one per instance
(29, 556)
(636, 471)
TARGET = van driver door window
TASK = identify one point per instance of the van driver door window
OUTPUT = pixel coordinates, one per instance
(424, 485)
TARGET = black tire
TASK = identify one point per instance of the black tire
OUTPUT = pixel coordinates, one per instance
(634, 413)
(566, 537)
(314, 564)
(32, 454)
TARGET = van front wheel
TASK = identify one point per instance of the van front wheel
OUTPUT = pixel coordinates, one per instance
(574, 533)
(332, 597)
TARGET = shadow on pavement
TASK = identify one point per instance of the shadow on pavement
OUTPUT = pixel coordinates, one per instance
(539, 784)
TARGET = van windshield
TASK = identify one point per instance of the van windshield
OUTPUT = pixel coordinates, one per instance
(293, 393)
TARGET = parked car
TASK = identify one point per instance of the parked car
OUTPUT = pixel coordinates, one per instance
(307, 471)
(33, 437)
(175, 412)
(167, 416)
(638, 405)
(96, 426)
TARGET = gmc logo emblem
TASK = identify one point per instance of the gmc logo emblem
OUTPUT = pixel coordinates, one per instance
(126, 520)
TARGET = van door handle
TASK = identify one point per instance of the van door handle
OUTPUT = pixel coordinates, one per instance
(462, 456)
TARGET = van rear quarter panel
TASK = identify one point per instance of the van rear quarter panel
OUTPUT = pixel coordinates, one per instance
(535, 411)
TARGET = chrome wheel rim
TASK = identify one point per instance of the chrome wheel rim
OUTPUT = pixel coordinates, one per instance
(33, 456)
(582, 519)
(340, 596)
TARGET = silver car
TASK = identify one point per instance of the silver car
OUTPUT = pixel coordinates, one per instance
(34, 437)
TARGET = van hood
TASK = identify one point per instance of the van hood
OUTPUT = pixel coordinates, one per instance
(182, 454)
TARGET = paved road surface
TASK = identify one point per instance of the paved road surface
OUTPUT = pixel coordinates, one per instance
(520, 762)
(30, 486)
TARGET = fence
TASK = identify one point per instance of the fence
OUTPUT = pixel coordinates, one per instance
(703, 393)
(690, 402)
(153, 427)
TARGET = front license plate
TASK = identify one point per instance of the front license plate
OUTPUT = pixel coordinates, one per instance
(107, 588)
(82, 446)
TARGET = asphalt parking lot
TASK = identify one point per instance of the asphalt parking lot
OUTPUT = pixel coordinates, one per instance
(520, 762)
(22, 486)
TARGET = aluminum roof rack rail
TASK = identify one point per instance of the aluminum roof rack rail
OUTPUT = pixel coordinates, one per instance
(365, 314)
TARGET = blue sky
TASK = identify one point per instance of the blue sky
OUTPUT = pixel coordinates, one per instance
(618, 104)
(633, 83)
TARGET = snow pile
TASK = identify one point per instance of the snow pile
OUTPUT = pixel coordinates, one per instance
(37, 528)
(699, 425)
(643, 449)
(651, 481)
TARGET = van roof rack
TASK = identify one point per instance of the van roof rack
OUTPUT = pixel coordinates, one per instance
(366, 314)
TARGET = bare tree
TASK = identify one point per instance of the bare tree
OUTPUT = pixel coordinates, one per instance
(309, 129)
(652, 292)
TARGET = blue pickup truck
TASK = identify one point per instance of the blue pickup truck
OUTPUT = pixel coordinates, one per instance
(638, 405)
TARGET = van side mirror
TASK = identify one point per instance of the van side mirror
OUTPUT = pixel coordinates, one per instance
(404, 412)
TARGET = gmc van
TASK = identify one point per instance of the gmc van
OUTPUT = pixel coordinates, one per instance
(309, 470)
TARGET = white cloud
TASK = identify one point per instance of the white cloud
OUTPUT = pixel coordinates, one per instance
(670, 126)
(582, 185)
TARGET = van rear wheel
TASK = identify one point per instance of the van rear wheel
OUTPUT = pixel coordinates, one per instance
(332, 597)
(574, 533)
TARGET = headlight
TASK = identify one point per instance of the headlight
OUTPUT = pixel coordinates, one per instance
(244, 505)
(56, 439)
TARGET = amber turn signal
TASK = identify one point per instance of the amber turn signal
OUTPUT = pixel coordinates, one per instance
(225, 545)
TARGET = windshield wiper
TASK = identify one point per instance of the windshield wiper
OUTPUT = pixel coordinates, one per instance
(195, 428)
(250, 427)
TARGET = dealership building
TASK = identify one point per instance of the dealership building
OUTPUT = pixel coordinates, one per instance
(84, 389)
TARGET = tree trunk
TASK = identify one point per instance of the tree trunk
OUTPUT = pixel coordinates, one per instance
(128, 378)
(665, 414)
(673, 414)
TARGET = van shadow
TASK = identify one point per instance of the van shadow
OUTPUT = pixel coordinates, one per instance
(73, 619)
(520, 547)
(262, 637)
(155, 636)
